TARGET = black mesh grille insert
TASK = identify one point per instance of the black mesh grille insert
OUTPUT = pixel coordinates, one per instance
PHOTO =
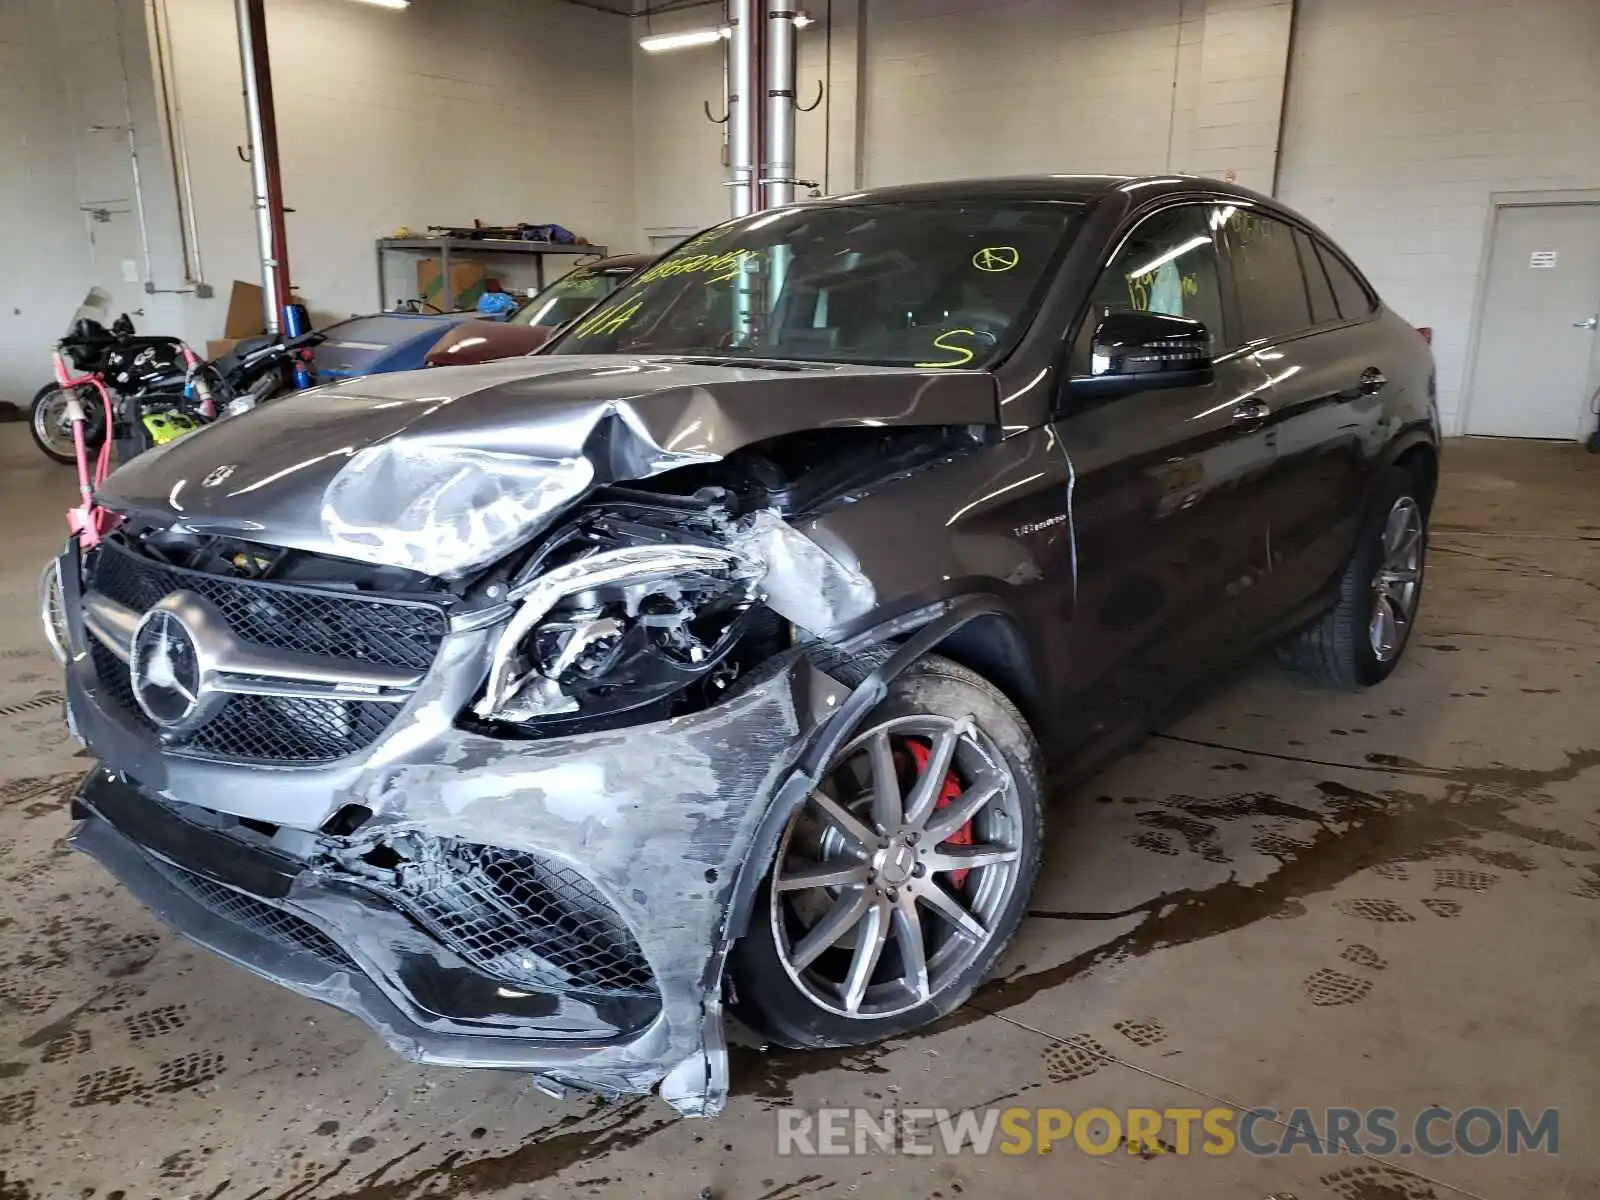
(114, 682)
(290, 729)
(274, 729)
(265, 729)
(390, 633)
(258, 916)
(521, 919)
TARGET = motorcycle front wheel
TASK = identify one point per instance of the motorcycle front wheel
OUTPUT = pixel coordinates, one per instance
(51, 428)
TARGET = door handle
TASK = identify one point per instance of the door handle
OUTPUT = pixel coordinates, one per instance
(1373, 381)
(1247, 414)
(1591, 323)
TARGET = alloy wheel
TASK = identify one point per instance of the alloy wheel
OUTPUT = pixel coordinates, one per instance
(892, 879)
(1398, 581)
(52, 426)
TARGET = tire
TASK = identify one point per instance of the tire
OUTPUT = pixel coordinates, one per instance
(43, 424)
(1340, 649)
(993, 746)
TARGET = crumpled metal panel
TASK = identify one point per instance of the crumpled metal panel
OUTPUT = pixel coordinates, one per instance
(445, 470)
(662, 819)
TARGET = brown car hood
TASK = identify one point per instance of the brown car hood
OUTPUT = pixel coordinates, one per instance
(484, 341)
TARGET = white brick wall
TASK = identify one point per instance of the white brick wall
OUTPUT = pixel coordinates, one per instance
(60, 74)
(678, 161)
(973, 87)
(501, 109)
(1404, 116)
(505, 110)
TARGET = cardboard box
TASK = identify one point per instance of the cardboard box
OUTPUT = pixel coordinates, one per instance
(247, 318)
(247, 314)
(467, 281)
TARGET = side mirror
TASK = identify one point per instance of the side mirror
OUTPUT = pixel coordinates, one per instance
(1137, 351)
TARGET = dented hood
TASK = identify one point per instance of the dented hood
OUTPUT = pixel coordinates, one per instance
(444, 471)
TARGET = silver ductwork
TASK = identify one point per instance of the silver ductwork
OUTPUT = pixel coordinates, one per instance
(777, 157)
(743, 93)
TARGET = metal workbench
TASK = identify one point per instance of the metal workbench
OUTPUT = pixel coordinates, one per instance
(445, 247)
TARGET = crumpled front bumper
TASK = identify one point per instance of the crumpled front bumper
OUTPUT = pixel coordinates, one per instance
(672, 823)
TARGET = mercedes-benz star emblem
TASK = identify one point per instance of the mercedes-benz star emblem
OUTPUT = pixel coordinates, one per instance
(164, 668)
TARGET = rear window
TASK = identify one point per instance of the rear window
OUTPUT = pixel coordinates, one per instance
(1270, 289)
(1353, 298)
(1324, 310)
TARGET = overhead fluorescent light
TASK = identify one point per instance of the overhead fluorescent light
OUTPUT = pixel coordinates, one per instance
(656, 43)
(659, 42)
(388, 3)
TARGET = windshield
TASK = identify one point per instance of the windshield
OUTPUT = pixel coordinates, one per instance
(566, 298)
(926, 284)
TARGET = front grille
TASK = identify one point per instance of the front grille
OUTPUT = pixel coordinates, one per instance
(273, 729)
(115, 684)
(258, 916)
(290, 729)
(261, 729)
(523, 920)
(388, 633)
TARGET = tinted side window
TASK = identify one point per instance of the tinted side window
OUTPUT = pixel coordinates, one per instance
(1169, 265)
(1266, 276)
(1323, 309)
(1354, 300)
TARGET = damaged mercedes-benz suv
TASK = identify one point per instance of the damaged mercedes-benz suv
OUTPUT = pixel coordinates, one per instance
(534, 711)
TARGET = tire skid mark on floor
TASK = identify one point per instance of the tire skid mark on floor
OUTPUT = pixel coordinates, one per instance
(32, 704)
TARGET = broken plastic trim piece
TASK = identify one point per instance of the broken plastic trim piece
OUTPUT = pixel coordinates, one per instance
(802, 582)
(631, 564)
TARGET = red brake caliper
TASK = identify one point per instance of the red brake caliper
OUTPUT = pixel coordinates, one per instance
(948, 791)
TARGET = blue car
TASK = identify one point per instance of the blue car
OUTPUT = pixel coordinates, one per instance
(381, 342)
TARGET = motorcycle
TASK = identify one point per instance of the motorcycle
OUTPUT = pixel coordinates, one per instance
(129, 393)
(155, 388)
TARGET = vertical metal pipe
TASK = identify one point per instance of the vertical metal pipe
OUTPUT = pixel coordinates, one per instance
(777, 162)
(858, 175)
(133, 158)
(265, 175)
(741, 107)
(160, 26)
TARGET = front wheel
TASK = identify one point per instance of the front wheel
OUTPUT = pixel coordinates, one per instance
(52, 429)
(901, 879)
(1359, 641)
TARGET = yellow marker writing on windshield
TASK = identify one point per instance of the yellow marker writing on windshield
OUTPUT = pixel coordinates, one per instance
(965, 355)
(608, 321)
(722, 266)
(996, 258)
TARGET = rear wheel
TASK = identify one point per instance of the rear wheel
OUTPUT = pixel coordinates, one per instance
(1359, 641)
(904, 875)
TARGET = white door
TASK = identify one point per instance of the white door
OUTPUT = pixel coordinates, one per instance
(1537, 347)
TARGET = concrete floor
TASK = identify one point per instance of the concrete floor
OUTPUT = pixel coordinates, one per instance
(1291, 898)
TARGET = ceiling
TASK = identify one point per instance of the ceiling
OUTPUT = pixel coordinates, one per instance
(641, 8)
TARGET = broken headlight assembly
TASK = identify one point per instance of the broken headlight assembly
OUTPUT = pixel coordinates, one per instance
(620, 629)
